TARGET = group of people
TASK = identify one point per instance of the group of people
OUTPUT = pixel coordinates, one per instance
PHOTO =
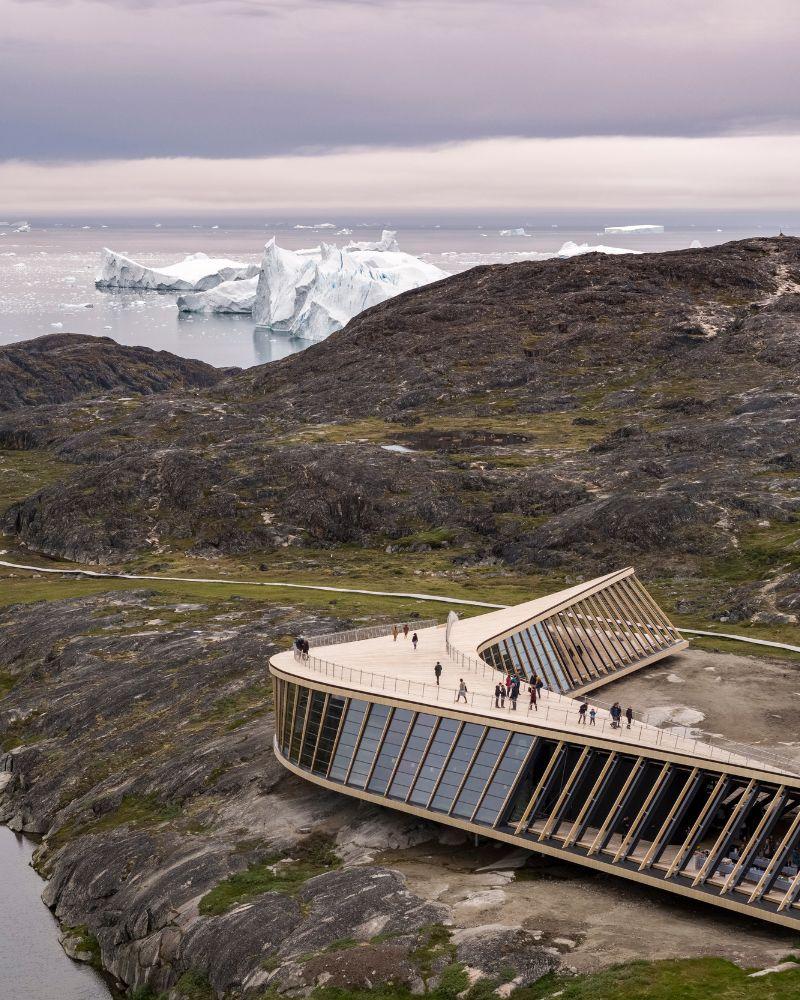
(405, 630)
(510, 688)
(301, 648)
(616, 715)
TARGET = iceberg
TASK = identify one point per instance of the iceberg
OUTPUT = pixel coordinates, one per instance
(195, 273)
(234, 297)
(634, 229)
(695, 245)
(463, 260)
(513, 232)
(312, 294)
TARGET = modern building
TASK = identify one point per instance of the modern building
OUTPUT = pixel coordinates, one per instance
(363, 714)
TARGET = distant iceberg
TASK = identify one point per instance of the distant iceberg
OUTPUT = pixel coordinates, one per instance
(312, 293)
(21, 226)
(195, 273)
(695, 245)
(634, 229)
(463, 260)
(513, 232)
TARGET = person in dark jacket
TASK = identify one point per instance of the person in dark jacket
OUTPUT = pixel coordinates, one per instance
(498, 690)
(629, 715)
(438, 671)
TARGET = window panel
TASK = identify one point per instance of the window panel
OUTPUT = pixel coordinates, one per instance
(434, 762)
(368, 747)
(291, 697)
(312, 728)
(297, 728)
(390, 750)
(504, 778)
(347, 740)
(330, 727)
(456, 766)
(480, 772)
(412, 755)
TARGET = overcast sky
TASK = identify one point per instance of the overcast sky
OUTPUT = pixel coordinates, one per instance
(115, 83)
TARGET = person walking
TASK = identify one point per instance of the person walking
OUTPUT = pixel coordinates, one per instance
(532, 693)
(462, 690)
(592, 715)
(438, 671)
(414, 641)
(514, 696)
(395, 633)
(582, 713)
(629, 715)
(539, 685)
(405, 631)
(498, 690)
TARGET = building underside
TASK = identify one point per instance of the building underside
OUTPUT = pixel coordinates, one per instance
(674, 813)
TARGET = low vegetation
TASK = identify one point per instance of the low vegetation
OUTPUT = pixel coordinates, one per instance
(274, 873)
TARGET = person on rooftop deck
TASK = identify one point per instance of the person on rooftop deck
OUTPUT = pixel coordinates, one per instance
(414, 641)
(438, 671)
(462, 690)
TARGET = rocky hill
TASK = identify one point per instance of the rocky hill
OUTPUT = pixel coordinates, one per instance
(557, 417)
(62, 367)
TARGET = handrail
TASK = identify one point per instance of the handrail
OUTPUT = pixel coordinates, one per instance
(640, 735)
(368, 632)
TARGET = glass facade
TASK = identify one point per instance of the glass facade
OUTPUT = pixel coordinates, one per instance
(726, 835)
(590, 638)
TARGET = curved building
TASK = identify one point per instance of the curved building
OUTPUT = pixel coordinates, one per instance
(366, 717)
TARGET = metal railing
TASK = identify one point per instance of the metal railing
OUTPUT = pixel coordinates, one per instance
(368, 632)
(563, 715)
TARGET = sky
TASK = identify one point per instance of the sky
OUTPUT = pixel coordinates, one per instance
(172, 105)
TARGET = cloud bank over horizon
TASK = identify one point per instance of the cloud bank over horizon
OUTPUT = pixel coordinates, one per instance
(106, 79)
(140, 106)
(609, 173)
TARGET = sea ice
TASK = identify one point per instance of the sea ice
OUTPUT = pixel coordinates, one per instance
(513, 232)
(197, 272)
(634, 229)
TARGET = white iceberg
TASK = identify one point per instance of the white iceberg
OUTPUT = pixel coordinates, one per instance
(513, 232)
(195, 273)
(235, 297)
(634, 229)
(570, 249)
(311, 294)
(695, 245)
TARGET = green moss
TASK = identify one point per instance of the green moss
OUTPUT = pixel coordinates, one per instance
(133, 810)
(194, 985)
(7, 682)
(436, 946)
(342, 944)
(688, 979)
(436, 538)
(86, 943)
(274, 873)
(22, 473)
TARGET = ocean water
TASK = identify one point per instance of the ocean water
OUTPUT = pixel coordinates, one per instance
(47, 275)
(33, 965)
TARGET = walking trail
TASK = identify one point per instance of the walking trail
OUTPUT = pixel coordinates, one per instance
(349, 590)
